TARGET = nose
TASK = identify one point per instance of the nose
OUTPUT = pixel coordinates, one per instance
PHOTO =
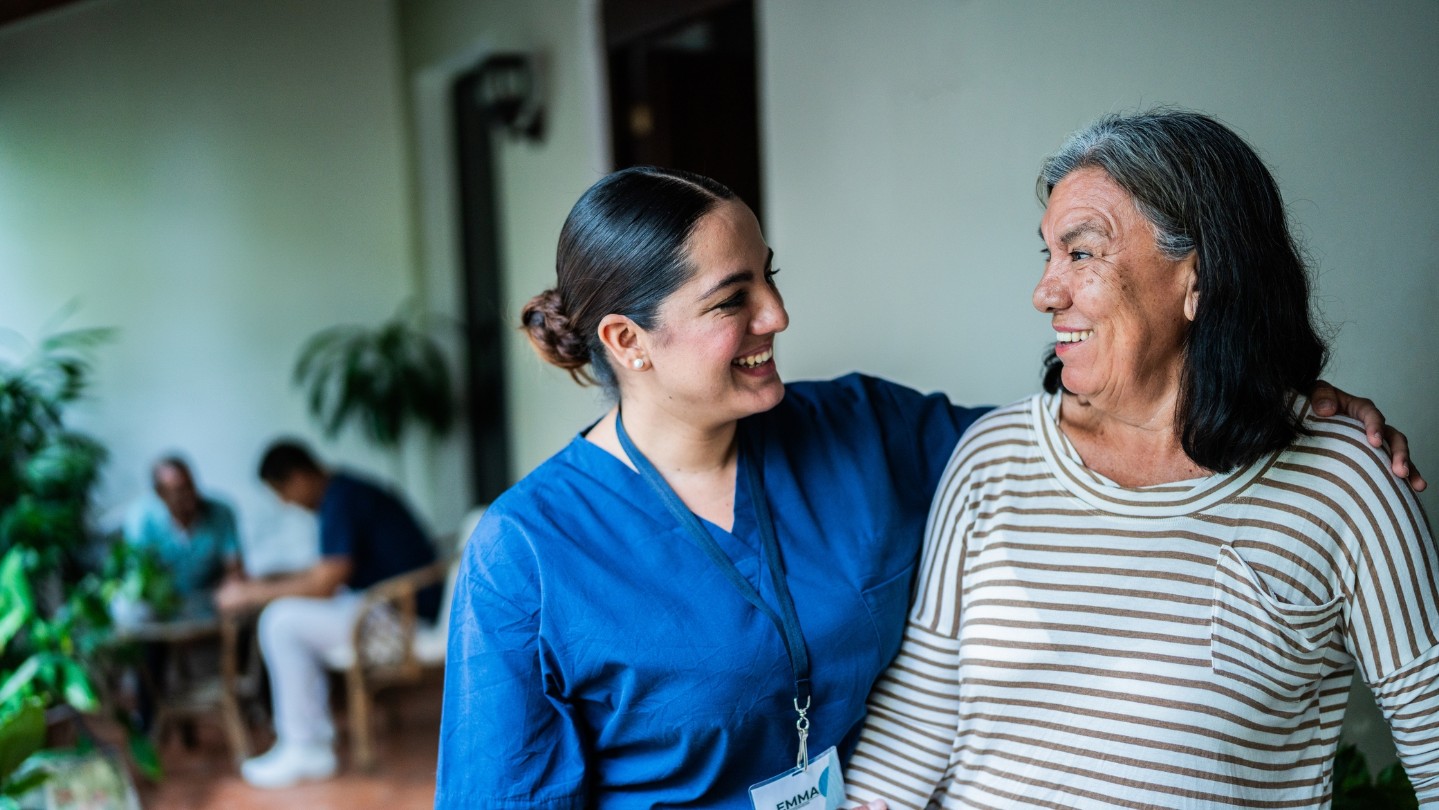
(771, 317)
(1051, 294)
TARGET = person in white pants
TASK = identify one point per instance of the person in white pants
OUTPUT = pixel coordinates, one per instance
(295, 634)
(367, 534)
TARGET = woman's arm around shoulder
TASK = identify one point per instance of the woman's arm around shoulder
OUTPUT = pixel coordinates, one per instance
(919, 431)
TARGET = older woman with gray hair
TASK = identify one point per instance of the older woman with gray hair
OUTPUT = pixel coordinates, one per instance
(1152, 585)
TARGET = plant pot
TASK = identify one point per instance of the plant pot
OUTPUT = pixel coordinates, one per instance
(127, 612)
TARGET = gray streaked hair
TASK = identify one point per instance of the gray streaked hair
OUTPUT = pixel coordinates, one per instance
(1127, 149)
(1252, 342)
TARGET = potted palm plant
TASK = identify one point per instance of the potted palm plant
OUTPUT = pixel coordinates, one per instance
(387, 379)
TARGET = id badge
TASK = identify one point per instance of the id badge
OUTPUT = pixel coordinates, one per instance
(818, 787)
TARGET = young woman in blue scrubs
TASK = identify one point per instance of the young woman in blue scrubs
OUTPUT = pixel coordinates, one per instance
(598, 656)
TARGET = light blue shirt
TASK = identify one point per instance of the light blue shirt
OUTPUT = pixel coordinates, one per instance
(196, 557)
(598, 659)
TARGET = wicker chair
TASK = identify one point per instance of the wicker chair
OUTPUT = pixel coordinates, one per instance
(391, 646)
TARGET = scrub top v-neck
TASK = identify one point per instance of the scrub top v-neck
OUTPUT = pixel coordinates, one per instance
(597, 660)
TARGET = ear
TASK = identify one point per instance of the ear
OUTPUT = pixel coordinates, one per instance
(1190, 268)
(623, 340)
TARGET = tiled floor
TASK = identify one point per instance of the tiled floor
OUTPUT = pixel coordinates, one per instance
(206, 779)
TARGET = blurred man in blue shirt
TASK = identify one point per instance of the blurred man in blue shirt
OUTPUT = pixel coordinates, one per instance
(367, 534)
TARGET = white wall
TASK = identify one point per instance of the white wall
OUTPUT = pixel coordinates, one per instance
(219, 180)
(537, 182)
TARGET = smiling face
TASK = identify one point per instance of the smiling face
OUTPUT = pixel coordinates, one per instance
(711, 357)
(1120, 308)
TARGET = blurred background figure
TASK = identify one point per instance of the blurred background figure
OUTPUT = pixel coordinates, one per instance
(193, 535)
(193, 542)
(367, 534)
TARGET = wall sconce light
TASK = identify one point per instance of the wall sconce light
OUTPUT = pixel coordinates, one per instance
(508, 91)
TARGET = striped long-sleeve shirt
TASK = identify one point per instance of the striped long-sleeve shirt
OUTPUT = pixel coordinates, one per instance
(1074, 643)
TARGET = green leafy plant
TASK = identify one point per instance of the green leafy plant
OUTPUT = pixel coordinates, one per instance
(386, 378)
(55, 631)
(138, 576)
(46, 470)
(1356, 789)
(48, 669)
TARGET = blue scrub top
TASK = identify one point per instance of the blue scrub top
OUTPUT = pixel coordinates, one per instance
(597, 658)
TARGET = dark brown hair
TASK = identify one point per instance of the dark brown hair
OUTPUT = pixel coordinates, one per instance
(283, 458)
(622, 250)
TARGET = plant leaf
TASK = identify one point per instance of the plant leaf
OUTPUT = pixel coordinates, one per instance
(21, 678)
(142, 751)
(318, 350)
(386, 378)
(1351, 771)
(17, 602)
(1392, 775)
(22, 732)
(24, 784)
(77, 688)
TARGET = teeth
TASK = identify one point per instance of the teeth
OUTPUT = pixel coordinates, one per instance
(755, 359)
(1073, 337)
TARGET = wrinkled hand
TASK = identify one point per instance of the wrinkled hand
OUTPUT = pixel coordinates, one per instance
(1329, 400)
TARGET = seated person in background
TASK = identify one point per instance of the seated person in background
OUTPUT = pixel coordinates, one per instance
(367, 534)
(194, 538)
(193, 535)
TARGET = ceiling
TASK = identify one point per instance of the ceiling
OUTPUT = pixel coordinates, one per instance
(14, 10)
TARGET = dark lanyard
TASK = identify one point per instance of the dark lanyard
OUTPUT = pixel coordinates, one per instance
(786, 621)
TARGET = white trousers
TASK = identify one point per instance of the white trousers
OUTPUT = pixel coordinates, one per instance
(295, 633)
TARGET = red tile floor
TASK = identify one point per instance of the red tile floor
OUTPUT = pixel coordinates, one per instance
(205, 778)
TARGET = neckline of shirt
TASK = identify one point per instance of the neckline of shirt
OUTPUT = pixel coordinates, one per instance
(1172, 499)
(611, 470)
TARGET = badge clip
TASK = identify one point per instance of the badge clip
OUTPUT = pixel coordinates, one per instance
(802, 726)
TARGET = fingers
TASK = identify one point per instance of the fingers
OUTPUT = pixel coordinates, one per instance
(1399, 461)
(1398, 451)
(1328, 401)
(1366, 411)
(1323, 398)
(1416, 479)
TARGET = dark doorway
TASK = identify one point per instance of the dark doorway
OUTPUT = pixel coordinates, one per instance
(480, 280)
(683, 88)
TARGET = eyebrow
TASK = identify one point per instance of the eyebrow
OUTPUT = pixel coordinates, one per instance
(1083, 228)
(738, 277)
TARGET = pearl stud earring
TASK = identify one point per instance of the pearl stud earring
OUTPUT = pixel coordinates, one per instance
(638, 363)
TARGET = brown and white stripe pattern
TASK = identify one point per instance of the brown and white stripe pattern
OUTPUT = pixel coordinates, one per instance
(1078, 644)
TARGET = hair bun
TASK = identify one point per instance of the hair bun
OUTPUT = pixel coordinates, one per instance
(553, 336)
